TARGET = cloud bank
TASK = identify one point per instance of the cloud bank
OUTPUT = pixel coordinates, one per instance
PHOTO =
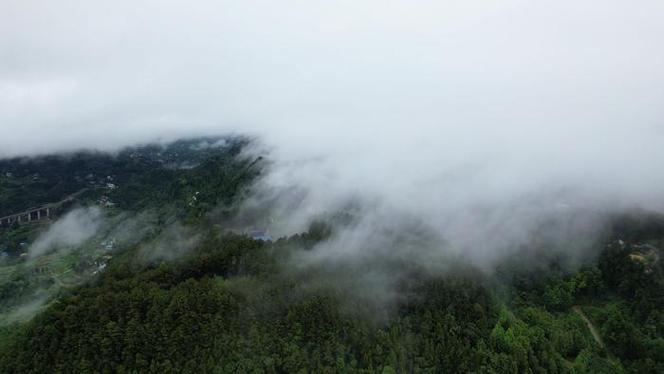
(482, 118)
(71, 230)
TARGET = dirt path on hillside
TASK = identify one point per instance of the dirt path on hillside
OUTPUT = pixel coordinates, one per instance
(590, 325)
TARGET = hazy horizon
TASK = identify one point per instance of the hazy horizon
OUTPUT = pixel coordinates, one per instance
(492, 115)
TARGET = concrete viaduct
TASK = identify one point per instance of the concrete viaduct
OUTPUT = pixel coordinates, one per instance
(39, 214)
(31, 215)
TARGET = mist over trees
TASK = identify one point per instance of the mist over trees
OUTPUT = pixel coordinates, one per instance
(331, 186)
(185, 288)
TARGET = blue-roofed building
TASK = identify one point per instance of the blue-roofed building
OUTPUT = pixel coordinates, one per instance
(260, 235)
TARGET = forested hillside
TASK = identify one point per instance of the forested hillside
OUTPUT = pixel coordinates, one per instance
(131, 177)
(228, 303)
(124, 199)
(227, 307)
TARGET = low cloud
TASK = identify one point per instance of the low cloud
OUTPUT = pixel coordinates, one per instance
(25, 310)
(73, 229)
(485, 121)
(174, 241)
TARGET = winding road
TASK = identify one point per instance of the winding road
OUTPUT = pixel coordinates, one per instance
(591, 327)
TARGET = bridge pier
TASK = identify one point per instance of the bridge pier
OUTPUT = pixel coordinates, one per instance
(33, 215)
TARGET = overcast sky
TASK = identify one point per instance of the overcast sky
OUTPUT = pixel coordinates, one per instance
(430, 105)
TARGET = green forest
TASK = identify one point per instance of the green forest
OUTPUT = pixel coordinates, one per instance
(233, 304)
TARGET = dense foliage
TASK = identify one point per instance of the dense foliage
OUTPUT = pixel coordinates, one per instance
(226, 307)
(138, 173)
(228, 303)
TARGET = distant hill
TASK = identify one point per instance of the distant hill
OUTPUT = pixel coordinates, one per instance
(28, 182)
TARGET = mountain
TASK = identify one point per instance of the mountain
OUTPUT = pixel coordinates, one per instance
(144, 268)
